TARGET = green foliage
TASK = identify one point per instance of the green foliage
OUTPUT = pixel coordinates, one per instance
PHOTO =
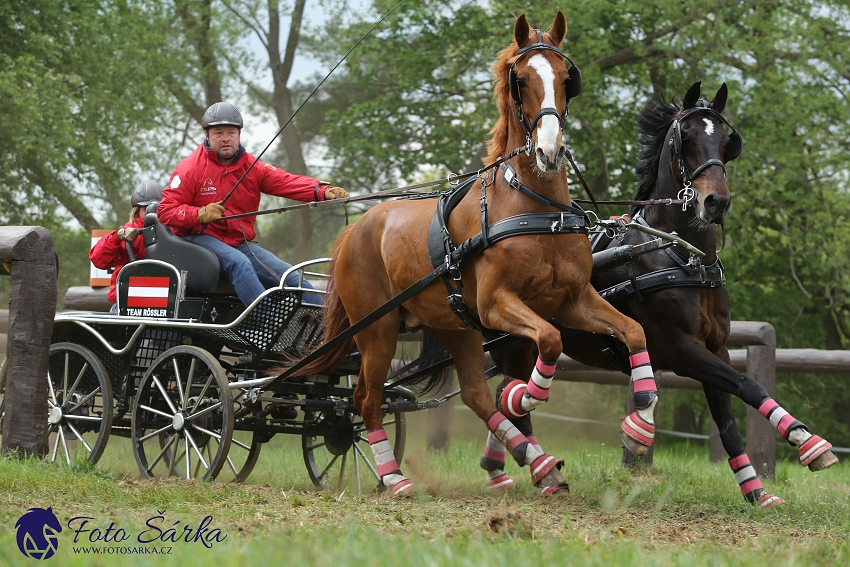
(78, 104)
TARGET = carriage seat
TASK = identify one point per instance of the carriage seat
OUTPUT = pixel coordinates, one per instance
(201, 264)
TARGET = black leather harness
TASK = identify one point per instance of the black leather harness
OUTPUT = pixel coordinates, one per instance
(683, 275)
(445, 254)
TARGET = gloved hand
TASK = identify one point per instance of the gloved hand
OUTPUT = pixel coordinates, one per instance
(211, 212)
(127, 234)
(332, 192)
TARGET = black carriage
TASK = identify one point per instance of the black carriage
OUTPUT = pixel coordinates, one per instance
(183, 365)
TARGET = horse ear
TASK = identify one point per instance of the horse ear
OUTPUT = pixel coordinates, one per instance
(521, 31)
(692, 96)
(719, 102)
(559, 29)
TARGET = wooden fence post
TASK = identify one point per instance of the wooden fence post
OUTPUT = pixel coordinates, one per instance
(28, 250)
(760, 339)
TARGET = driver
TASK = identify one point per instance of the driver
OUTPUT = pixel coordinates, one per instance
(111, 250)
(192, 201)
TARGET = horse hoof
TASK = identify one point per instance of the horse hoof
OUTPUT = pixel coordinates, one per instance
(405, 487)
(824, 461)
(637, 434)
(501, 483)
(815, 453)
(546, 475)
(769, 501)
(633, 446)
(560, 488)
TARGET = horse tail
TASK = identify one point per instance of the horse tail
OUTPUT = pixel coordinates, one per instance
(433, 351)
(335, 320)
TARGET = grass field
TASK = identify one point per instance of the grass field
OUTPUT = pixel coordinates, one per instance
(681, 511)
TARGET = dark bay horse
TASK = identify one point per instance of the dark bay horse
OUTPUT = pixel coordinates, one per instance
(686, 327)
(516, 285)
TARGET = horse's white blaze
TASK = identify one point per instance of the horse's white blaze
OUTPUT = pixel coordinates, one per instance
(549, 130)
(709, 126)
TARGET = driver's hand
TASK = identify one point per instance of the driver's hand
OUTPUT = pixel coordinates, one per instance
(333, 192)
(211, 212)
(127, 234)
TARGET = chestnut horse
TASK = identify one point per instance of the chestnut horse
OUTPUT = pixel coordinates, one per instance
(515, 285)
(686, 326)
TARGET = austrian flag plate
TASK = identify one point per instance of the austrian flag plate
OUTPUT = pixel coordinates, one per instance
(147, 291)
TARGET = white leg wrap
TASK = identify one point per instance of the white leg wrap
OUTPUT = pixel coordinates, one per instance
(648, 413)
(799, 436)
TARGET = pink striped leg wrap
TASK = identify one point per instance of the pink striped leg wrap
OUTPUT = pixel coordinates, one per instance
(750, 484)
(388, 469)
(521, 450)
(493, 461)
(519, 398)
(643, 379)
(783, 421)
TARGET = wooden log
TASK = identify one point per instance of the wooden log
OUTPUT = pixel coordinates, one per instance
(761, 435)
(31, 309)
(716, 452)
(746, 333)
(86, 298)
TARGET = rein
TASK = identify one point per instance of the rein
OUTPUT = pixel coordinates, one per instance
(452, 179)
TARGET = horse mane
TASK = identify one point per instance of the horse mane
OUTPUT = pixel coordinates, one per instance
(654, 121)
(498, 142)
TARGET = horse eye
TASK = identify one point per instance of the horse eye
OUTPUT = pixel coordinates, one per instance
(521, 83)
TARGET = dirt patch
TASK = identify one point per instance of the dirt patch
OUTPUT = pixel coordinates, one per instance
(508, 522)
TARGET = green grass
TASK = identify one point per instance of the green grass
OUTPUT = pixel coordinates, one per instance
(681, 511)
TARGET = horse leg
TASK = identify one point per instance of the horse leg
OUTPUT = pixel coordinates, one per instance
(720, 406)
(377, 344)
(596, 315)
(699, 363)
(511, 315)
(513, 359)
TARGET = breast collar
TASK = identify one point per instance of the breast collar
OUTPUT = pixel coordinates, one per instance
(443, 252)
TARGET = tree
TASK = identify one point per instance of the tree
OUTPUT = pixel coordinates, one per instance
(74, 114)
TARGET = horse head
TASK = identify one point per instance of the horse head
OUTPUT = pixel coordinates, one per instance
(699, 149)
(541, 86)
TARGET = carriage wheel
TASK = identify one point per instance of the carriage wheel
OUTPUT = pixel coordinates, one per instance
(244, 449)
(182, 416)
(79, 413)
(341, 458)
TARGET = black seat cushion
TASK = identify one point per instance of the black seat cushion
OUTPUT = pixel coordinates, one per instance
(201, 264)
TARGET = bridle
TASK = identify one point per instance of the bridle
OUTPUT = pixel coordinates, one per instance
(573, 88)
(733, 150)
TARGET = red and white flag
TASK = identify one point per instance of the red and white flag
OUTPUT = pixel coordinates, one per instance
(147, 291)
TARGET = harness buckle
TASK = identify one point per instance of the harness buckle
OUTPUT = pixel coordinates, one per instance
(686, 194)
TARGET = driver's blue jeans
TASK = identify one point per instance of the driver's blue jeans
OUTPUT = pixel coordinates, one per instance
(251, 269)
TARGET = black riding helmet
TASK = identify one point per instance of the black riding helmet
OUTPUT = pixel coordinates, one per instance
(222, 113)
(145, 193)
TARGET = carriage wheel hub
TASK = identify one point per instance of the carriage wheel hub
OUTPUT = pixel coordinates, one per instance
(54, 416)
(178, 421)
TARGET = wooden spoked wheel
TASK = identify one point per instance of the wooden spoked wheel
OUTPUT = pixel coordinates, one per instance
(183, 416)
(79, 405)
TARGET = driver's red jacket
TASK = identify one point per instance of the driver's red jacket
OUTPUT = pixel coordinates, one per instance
(109, 252)
(201, 179)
